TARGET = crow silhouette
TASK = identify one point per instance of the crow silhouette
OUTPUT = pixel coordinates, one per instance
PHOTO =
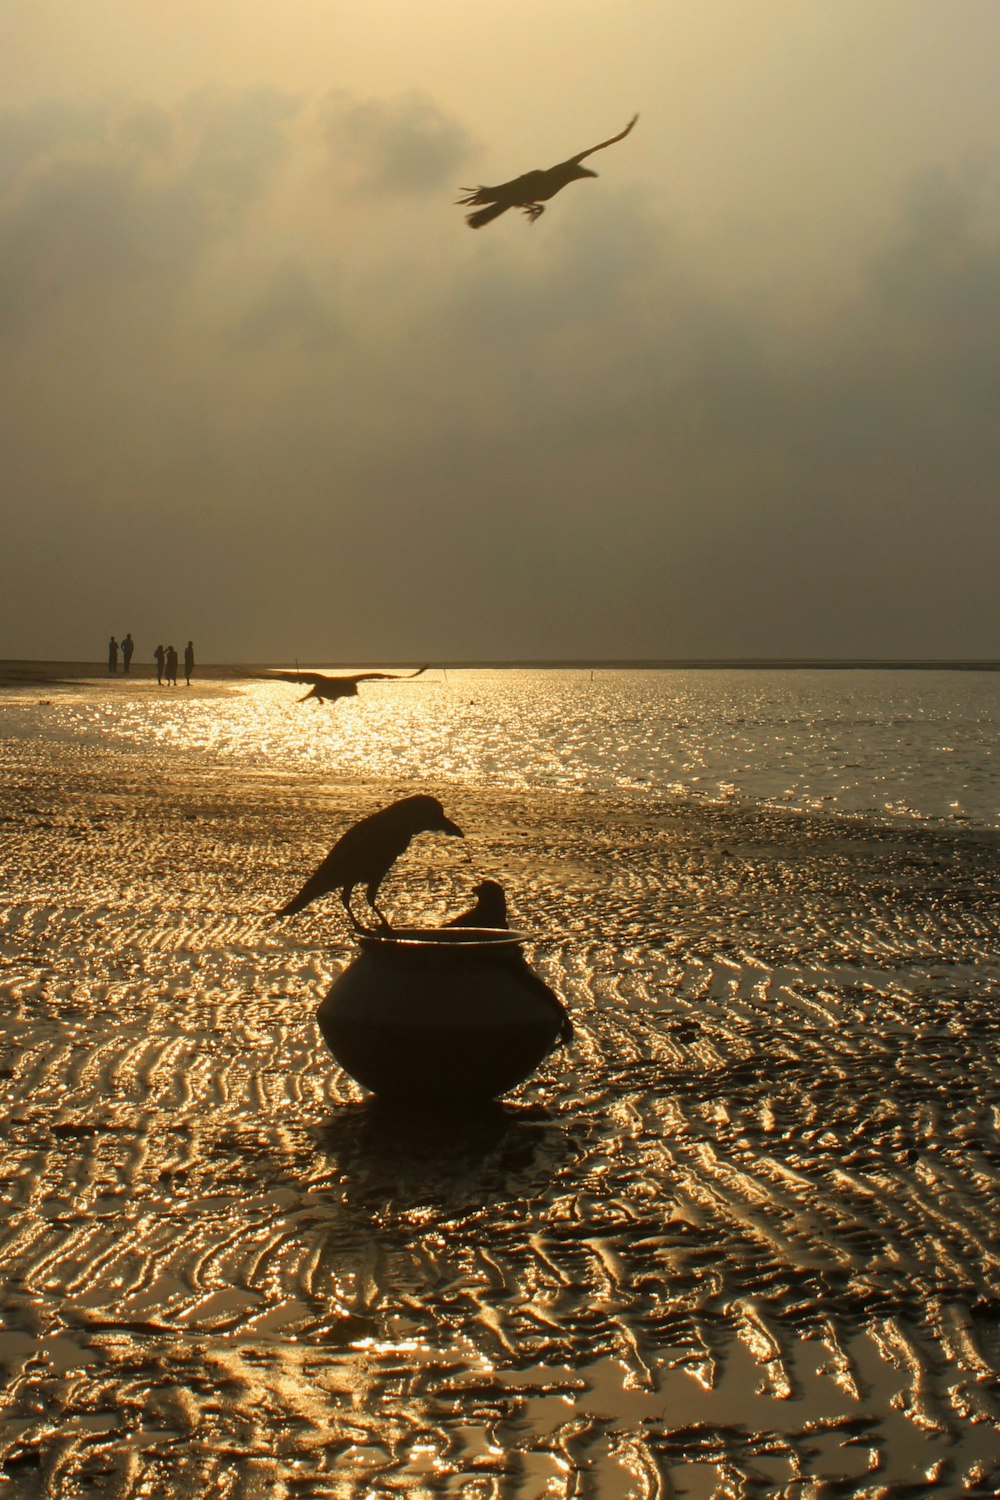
(332, 688)
(532, 190)
(368, 850)
(490, 909)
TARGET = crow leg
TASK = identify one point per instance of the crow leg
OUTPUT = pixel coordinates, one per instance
(534, 211)
(345, 897)
(370, 895)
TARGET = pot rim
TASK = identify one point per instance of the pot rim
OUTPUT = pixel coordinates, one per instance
(441, 939)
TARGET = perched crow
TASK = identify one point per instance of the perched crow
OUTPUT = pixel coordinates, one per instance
(490, 909)
(333, 688)
(367, 852)
(529, 191)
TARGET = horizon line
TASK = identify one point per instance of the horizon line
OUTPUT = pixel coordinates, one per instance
(859, 663)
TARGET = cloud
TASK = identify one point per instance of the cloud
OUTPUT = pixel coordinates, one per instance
(595, 258)
(291, 311)
(563, 438)
(95, 204)
(27, 136)
(404, 145)
(238, 142)
(938, 278)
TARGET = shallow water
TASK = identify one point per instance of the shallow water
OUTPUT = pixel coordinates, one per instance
(896, 745)
(739, 1239)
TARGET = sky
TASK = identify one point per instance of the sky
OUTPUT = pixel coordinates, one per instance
(261, 386)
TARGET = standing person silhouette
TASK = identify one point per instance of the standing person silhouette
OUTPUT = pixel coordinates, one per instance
(159, 656)
(128, 646)
(112, 655)
(171, 665)
(188, 661)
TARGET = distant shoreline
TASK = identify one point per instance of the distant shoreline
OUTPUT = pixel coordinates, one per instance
(16, 673)
(42, 673)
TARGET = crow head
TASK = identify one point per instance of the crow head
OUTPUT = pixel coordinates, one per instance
(426, 815)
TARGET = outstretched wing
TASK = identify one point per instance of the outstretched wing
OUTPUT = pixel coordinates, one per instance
(313, 677)
(609, 142)
(392, 676)
(324, 679)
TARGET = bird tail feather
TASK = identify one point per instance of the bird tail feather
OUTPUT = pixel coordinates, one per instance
(308, 893)
(476, 221)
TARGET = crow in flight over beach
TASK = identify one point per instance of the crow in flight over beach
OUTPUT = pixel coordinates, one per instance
(367, 852)
(333, 688)
(490, 909)
(529, 190)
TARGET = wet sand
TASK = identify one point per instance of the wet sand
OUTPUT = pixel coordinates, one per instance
(739, 1240)
(15, 674)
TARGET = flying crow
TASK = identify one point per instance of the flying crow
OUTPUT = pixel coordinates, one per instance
(490, 909)
(367, 852)
(333, 688)
(529, 190)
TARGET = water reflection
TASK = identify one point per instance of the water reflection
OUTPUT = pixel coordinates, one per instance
(391, 1161)
(894, 745)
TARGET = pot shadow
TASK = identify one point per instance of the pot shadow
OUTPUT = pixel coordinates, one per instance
(383, 1153)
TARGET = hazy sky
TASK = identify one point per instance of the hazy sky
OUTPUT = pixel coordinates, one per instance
(262, 386)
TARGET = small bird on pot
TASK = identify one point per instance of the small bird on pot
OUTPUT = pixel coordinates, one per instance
(368, 850)
(490, 909)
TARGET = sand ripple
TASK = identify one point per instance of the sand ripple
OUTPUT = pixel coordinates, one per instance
(740, 1240)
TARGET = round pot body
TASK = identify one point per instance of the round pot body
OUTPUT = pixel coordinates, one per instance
(441, 1016)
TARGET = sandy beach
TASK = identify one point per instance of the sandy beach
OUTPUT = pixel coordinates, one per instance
(15, 674)
(738, 1240)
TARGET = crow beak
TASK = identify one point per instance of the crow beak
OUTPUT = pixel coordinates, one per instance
(447, 826)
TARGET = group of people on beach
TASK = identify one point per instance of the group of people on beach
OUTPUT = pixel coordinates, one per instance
(166, 664)
(126, 647)
(166, 659)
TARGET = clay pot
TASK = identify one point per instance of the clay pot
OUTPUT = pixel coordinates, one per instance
(441, 1016)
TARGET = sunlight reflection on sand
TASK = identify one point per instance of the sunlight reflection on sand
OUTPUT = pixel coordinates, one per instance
(896, 745)
(738, 1239)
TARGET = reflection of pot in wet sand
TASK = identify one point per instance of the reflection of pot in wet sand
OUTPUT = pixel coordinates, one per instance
(441, 1016)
